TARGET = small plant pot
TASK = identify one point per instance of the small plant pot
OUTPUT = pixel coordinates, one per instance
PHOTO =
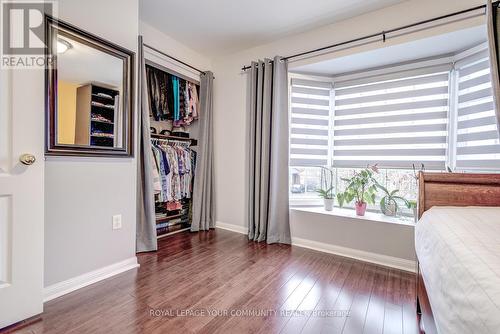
(328, 202)
(360, 208)
(390, 209)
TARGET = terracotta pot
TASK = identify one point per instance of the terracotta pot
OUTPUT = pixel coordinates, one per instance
(328, 204)
(360, 208)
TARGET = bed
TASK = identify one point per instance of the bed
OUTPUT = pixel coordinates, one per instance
(457, 240)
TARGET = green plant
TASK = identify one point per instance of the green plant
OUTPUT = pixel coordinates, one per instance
(412, 204)
(326, 181)
(361, 187)
(341, 198)
(326, 193)
(391, 198)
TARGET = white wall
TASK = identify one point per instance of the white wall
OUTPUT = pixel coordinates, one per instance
(230, 114)
(172, 47)
(370, 236)
(82, 194)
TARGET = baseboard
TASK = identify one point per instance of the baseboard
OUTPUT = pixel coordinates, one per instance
(385, 260)
(232, 227)
(75, 283)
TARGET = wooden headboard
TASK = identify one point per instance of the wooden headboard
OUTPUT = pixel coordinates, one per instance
(457, 189)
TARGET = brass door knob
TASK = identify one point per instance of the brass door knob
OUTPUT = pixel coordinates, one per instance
(27, 159)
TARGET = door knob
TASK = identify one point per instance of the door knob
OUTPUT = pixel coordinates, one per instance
(27, 159)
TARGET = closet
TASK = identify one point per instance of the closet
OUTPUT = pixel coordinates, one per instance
(174, 112)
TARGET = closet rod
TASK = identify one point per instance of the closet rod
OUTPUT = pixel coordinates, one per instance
(384, 33)
(173, 58)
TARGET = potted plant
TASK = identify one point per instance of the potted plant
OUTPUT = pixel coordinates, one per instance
(362, 188)
(389, 202)
(328, 197)
(326, 191)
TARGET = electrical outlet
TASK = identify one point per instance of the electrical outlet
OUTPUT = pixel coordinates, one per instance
(117, 222)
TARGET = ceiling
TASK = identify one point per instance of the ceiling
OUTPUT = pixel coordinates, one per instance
(82, 64)
(452, 42)
(216, 27)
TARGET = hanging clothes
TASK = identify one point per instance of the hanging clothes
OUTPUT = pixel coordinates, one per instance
(159, 88)
(179, 119)
(174, 164)
(191, 108)
(175, 86)
(156, 174)
(172, 98)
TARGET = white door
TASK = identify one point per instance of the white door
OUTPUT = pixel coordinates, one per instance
(21, 194)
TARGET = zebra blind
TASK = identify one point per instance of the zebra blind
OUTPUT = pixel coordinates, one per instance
(394, 121)
(478, 146)
(310, 122)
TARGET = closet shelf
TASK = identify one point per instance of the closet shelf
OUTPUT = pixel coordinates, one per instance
(167, 218)
(194, 142)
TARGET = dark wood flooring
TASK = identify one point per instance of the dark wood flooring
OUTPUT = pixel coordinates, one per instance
(195, 282)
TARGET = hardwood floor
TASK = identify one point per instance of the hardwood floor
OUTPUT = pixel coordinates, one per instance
(290, 290)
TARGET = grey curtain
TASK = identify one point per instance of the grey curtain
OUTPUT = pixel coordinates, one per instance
(204, 185)
(493, 41)
(146, 222)
(267, 108)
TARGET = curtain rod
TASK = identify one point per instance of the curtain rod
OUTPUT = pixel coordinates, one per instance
(383, 33)
(177, 60)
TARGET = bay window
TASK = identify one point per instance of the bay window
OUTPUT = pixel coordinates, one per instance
(436, 113)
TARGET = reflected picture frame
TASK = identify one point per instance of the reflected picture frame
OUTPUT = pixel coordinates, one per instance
(54, 27)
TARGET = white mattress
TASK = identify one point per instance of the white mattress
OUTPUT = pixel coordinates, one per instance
(459, 254)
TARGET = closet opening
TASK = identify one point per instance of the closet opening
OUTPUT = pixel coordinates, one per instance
(174, 112)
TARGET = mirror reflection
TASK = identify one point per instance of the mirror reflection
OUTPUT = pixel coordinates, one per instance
(89, 95)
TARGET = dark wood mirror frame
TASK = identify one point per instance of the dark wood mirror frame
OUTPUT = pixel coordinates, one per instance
(52, 148)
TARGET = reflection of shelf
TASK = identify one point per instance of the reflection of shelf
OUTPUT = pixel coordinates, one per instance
(97, 118)
(101, 136)
(103, 97)
(194, 142)
(103, 122)
(103, 108)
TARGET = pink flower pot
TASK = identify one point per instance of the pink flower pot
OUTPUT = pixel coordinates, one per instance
(360, 208)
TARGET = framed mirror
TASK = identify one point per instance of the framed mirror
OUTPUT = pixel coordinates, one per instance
(89, 92)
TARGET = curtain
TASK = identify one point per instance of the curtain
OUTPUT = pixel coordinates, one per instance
(267, 108)
(146, 221)
(204, 185)
(493, 41)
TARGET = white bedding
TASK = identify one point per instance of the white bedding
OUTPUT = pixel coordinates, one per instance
(459, 254)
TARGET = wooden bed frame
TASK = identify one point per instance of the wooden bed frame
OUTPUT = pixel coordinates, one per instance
(450, 189)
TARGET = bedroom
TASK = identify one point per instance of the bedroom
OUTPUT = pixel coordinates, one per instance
(401, 87)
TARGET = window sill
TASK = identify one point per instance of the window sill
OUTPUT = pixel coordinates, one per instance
(369, 216)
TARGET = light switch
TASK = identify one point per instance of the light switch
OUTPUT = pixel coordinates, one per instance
(117, 222)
